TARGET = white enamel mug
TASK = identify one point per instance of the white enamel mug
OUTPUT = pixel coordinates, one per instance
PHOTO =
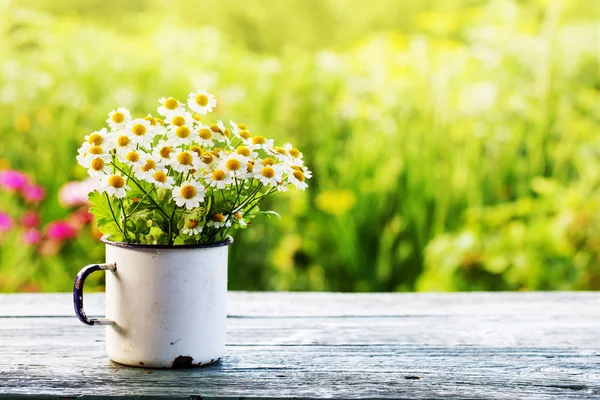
(165, 305)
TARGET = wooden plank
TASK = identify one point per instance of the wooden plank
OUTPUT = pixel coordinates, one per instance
(308, 358)
(271, 304)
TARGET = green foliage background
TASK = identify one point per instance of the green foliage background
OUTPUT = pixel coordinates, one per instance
(454, 144)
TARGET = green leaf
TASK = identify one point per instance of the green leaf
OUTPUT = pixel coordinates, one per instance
(104, 218)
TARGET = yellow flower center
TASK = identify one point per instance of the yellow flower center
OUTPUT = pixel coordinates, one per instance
(197, 118)
(215, 128)
(227, 132)
(159, 121)
(268, 161)
(268, 172)
(116, 181)
(298, 175)
(258, 140)
(218, 175)
(196, 149)
(165, 152)
(95, 139)
(242, 127)
(96, 150)
(193, 223)
(294, 152)
(123, 141)
(185, 158)
(238, 215)
(151, 120)
(202, 100)
(218, 217)
(182, 132)
(233, 165)
(118, 117)
(150, 164)
(138, 130)
(280, 150)
(188, 192)
(243, 151)
(160, 176)
(250, 166)
(132, 156)
(207, 157)
(205, 133)
(171, 103)
(178, 121)
(97, 164)
(245, 133)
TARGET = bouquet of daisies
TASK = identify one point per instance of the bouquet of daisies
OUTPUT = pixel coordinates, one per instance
(175, 179)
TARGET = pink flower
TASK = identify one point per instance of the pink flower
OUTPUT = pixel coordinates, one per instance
(75, 194)
(6, 222)
(61, 230)
(33, 193)
(30, 219)
(13, 180)
(32, 236)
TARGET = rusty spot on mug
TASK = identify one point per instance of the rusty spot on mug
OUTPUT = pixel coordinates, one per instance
(182, 362)
(141, 363)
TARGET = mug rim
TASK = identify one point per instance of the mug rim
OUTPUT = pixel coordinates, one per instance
(105, 240)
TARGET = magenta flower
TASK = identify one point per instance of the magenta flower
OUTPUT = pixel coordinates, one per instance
(33, 193)
(61, 230)
(13, 180)
(32, 236)
(30, 219)
(6, 222)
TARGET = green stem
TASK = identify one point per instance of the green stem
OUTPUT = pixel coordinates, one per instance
(140, 202)
(113, 214)
(124, 220)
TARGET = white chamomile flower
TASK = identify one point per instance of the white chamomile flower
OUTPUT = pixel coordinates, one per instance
(164, 150)
(259, 142)
(191, 228)
(234, 164)
(99, 138)
(117, 119)
(114, 185)
(147, 165)
(169, 106)
(219, 131)
(279, 152)
(122, 142)
(246, 152)
(140, 131)
(179, 118)
(297, 178)
(133, 158)
(218, 221)
(190, 194)
(160, 178)
(239, 218)
(98, 168)
(185, 161)
(292, 151)
(236, 129)
(89, 152)
(158, 125)
(269, 174)
(218, 178)
(181, 135)
(205, 136)
(201, 102)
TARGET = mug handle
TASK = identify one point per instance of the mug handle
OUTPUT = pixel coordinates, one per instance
(78, 293)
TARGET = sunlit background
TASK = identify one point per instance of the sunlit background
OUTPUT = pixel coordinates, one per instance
(455, 144)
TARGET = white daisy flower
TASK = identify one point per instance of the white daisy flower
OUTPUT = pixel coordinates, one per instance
(122, 142)
(148, 164)
(114, 185)
(237, 129)
(158, 125)
(296, 177)
(140, 131)
(181, 135)
(238, 217)
(98, 168)
(169, 106)
(218, 130)
(164, 150)
(117, 119)
(160, 178)
(218, 178)
(192, 228)
(234, 164)
(133, 158)
(201, 102)
(279, 152)
(190, 194)
(185, 161)
(259, 142)
(89, 152)
(292, 151)
(270, 174)
(205, 136)
(99, 138)
(179, 118)
(218, 221)
(246, 152)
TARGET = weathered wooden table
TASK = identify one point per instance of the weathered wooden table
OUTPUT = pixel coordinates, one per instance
(324, 345)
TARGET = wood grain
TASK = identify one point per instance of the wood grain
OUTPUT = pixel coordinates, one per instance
(309, 345)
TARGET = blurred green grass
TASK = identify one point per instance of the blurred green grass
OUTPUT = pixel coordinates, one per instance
(454, 144)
